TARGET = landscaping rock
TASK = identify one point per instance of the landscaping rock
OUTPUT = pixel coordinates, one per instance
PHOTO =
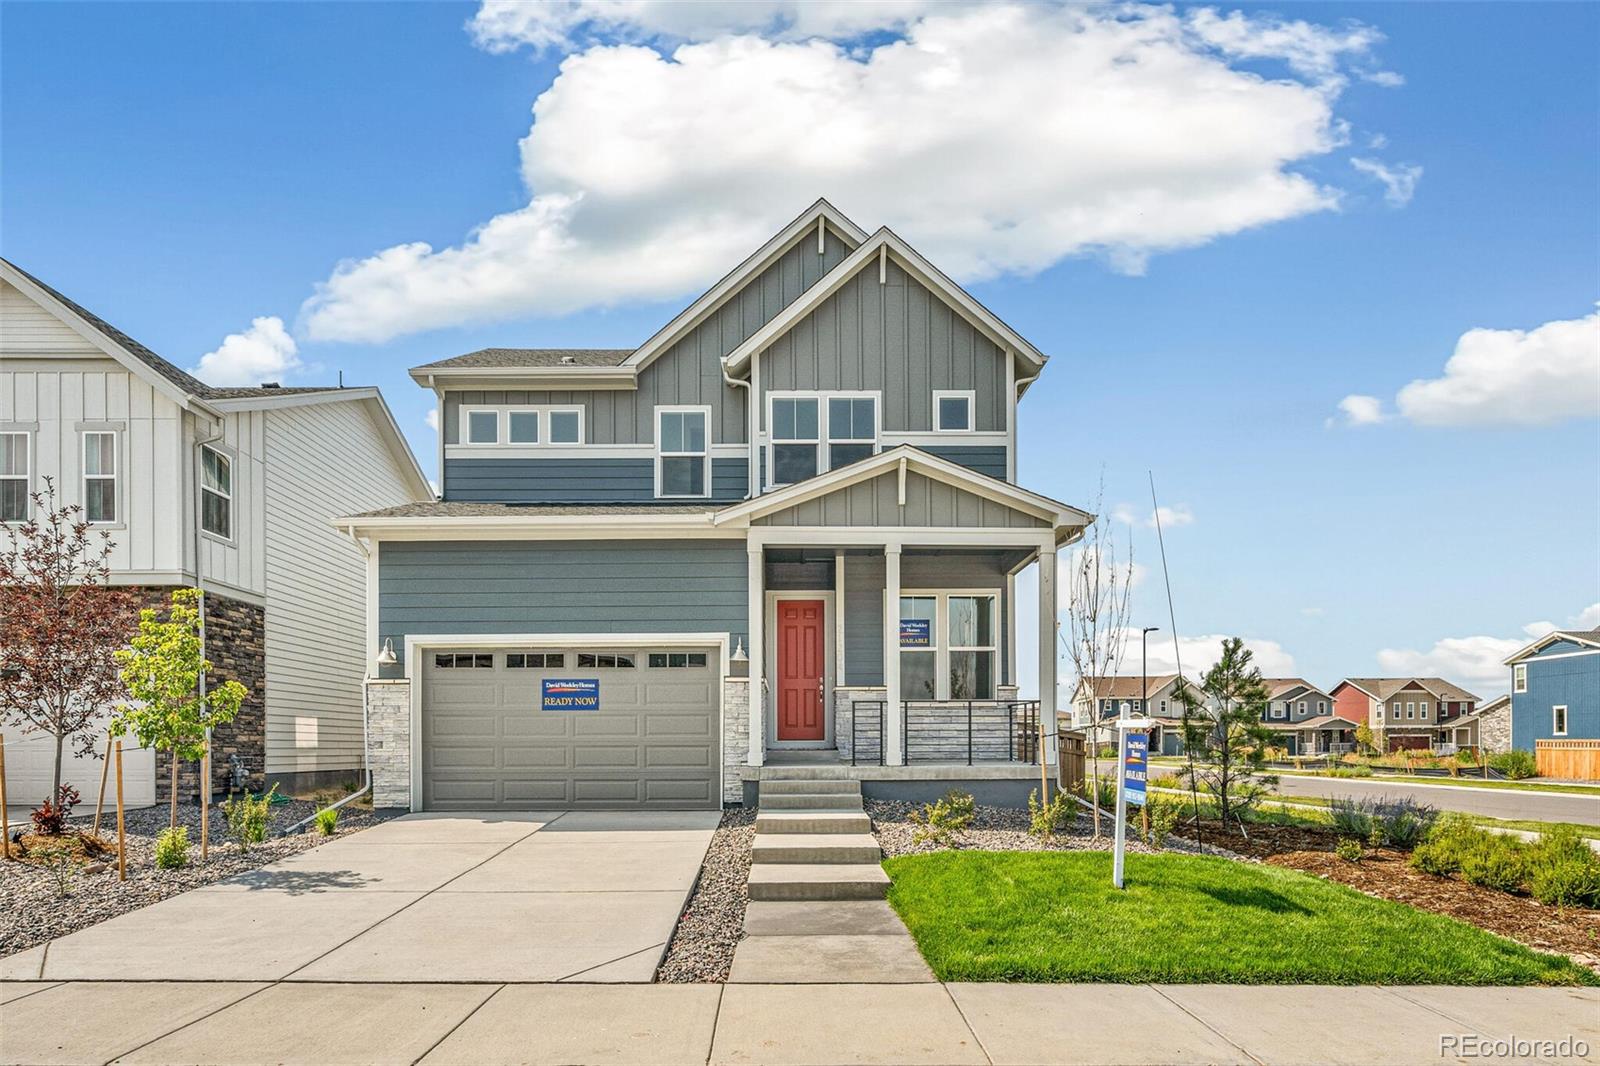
(713, 920)
(992, 829)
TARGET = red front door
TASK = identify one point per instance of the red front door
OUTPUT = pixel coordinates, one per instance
(800, 661)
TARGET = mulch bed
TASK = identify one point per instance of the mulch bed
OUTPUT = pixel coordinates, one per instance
(1388, 874)
(712, 922)
(32, 911)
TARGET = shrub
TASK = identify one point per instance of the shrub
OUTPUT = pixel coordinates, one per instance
(1162, 814)
(1499, 863)
(50, 819)
(1404, 823)
(1351, 817)
(1350, 771)
(1168, 780)
(1451, 837)
(1515, 764)
(942, 819)
(1563, 871)
(172, 848)
(1045, 818)
(328, 821)
(248, 817)
(60, 859)
(1106, 789)
(1108, 751)
(1348, 849)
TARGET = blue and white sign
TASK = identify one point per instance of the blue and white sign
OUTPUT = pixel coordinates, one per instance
(916, 632)
(1135, 767)
(570, 694)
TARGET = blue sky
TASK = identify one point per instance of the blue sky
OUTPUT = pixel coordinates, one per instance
(186, 169)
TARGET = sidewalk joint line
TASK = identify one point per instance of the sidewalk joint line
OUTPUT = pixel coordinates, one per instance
(976, 1039)
(1246, 1052)
(716, 1021)
(195, 1021)
(451, 1031)
(35, 992)
(608, 962)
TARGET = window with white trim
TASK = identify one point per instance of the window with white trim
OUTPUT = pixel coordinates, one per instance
(1302, 706)
(481, 426)
(15, 475)
(1519, 677)
(1423, 708)
(566, 425)
(522, 426)
(953, 411)
(796, 438)
(852, 429)
(100, 476)
(1322, 706)
(974, 647)
(1558, 720)
(681, 453)
(919, 665)
(1411, 710)
(1277, 708)
(216, 493)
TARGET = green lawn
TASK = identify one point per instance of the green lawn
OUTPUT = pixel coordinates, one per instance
(1053, 916)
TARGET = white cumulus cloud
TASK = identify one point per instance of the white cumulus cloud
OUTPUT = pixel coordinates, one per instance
(1467, 661)
(1200, 654)
(998, 139)
(264, 352)
(1399, 181)
(1359, 411)
(1588, 618)
(1176, 515)
(432, 419)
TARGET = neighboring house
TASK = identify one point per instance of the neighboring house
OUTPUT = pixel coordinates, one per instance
(1108, 697)
(785, 526)
(1488, 727)
(1403, 712)
(1555, 700)
(1305, 717)
(233, 487)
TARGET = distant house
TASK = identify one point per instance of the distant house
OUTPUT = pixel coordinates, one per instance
(1305, 717)
(1555, 694)
(1108, 697)
(1488, 727)
(1403, 712)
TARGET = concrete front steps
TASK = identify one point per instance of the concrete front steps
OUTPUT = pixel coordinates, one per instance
(814, 842)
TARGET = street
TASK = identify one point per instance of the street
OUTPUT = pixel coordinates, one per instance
(1493, 802)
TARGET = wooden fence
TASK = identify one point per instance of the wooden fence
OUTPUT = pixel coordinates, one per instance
(1571, 760)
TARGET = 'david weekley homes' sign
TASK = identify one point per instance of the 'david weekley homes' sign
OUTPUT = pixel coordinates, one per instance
(570, 694)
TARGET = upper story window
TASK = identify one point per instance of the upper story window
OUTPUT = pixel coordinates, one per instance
(852, 429)
(681, 451)
(796, 438)
(1423, 707)
(1322, 706)
(482, 427)
(100, 476)
(520, 426)
(566, 425)
(15, 476)
(1302, 706)
(1277, 709)
(1519, 677)
(952, 412)
(216, 493)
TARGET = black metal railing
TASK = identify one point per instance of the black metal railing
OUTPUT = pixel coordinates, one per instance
(970, 730)
(856, 708)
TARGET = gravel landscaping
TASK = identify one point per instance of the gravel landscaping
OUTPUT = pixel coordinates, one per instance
(712, 921)
(31, 912)
(992, 829)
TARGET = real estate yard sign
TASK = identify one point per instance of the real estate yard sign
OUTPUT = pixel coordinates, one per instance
(1135, 768)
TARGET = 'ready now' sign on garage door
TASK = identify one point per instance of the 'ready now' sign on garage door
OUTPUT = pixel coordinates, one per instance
(570, 694)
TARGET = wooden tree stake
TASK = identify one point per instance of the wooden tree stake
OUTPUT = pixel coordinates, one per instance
(205, 804)
(122, 840)
(174, 817)
(100, 803)
(5, 823)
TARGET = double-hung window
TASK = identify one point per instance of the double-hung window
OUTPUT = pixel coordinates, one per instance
(796, 438)
(852, 429)
(100, 476)
(216, 493)
(1423, 707)
(973, 647)
(15, 476)
(1277, 709)
(681, 451)
(1558, 720)
(919, 653)
(1519, 677)
(952, 412)
(949, 646)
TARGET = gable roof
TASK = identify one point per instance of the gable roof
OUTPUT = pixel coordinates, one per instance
(1581, 637)
(1277, 687)
(1127, 686)
(886, 242)
(1381, 688)
(1060, 515)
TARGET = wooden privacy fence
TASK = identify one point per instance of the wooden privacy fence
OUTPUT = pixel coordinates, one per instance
(1069, 760)
(1574, 760)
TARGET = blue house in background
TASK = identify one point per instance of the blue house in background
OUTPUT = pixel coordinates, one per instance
(1555, 689)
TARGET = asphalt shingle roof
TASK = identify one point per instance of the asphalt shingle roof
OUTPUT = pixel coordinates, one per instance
(536, 358)
(1384, 687)
(457, 509)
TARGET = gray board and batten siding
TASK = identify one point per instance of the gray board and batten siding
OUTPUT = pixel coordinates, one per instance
(561, 587)
(689, 372)
(875, 503)
(596, 480)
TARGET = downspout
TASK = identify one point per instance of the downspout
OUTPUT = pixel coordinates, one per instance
(750, 429)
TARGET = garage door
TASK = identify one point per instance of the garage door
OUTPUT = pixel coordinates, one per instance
(520, 728)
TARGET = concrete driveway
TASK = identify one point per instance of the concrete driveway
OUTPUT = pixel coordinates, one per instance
(588, 896)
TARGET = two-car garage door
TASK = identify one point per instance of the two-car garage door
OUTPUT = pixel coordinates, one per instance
(494, 738)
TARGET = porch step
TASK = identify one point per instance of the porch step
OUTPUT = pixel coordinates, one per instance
(797, 881)
(790, 822)
(790, 786)
(815, 848)
(810, 801)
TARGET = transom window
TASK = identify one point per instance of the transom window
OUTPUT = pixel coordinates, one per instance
(100, 476)
(959, 657)
(463, 660)
(681, 451)
(216, 493)
(677, 660)
(852, 429)
(536, 660)
(796, 438)
(605, 660)
(952, 412)
(15, 476)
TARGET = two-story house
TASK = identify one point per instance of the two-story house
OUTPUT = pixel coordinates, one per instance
(1555, 702)
(231, 489)
(785, 527)
(1305, 717)
(1404, 712)
(1102, 700)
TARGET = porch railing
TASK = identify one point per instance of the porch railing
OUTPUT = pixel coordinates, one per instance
(871, 735)
(970, 730)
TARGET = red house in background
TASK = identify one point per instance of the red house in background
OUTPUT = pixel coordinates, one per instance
(1403, 712)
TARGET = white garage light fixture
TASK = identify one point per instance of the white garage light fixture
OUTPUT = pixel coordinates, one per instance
(386, 657)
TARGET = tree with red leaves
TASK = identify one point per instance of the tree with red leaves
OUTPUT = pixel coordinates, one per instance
(60, 624)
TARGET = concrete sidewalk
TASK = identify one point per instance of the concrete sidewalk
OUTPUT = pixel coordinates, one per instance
(331, 1024)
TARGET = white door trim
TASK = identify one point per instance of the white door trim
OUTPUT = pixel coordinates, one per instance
(829, 680)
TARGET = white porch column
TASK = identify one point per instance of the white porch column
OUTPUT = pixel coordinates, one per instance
(758, 655)
(1047, 636)
(893, 742)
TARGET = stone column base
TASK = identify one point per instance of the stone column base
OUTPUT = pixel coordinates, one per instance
(735, 736)
(388, 703)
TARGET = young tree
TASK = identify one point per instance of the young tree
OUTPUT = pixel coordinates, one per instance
(1223, 730)
(1097, 622)
(162, 669)
(1364, 739)
(60, 625)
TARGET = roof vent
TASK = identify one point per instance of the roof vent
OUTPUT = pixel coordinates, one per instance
(271, 385)
(567, 360)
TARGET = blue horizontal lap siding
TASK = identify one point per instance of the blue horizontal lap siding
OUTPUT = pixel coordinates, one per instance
(464, 587)
(595, 480)
(985, 459)
(1573, 682)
